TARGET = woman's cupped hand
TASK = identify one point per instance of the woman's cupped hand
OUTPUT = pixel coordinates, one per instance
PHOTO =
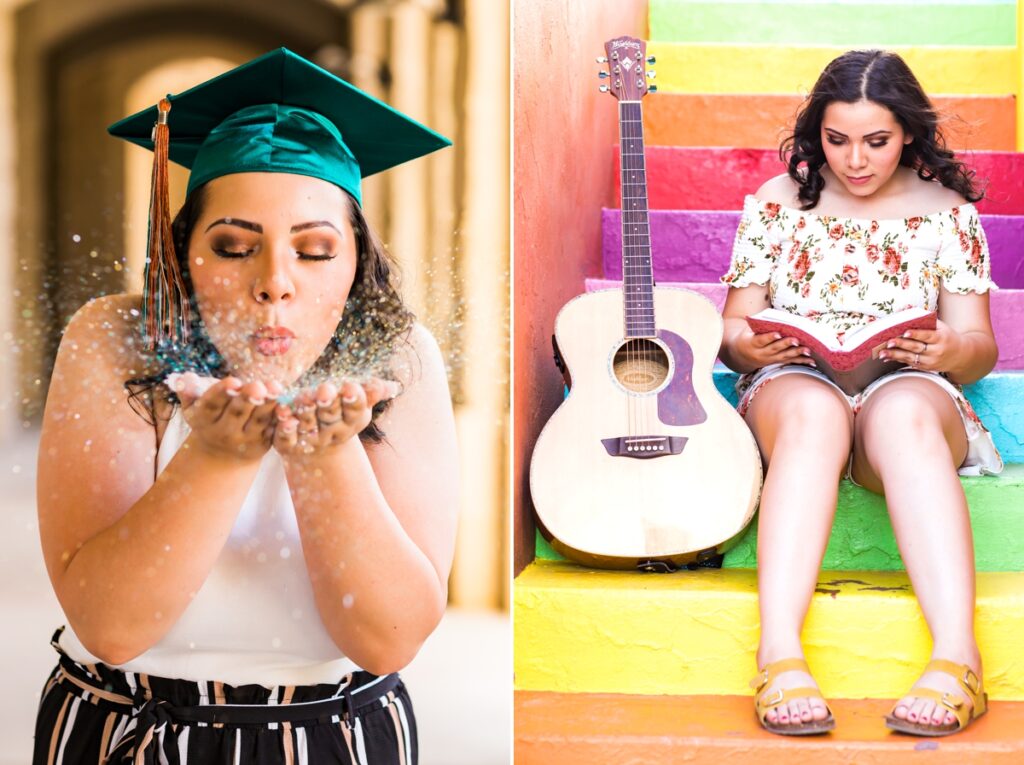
(244, 420)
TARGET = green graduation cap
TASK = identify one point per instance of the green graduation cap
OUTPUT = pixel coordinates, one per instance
(278, 113)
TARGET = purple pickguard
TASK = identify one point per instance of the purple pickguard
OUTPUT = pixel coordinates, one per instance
(678, 403)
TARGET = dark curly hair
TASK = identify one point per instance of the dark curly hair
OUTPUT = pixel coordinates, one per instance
(374, 321)
(885, 79)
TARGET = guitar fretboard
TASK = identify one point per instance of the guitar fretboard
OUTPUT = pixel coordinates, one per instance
(637, 273)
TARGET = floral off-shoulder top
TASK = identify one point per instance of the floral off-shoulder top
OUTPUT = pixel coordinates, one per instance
(846, 272)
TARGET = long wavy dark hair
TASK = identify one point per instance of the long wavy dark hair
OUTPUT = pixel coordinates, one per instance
(885, 79)
(374, 322)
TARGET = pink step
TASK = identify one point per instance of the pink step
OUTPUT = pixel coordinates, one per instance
(695, 245)
(1006, 308)
(686, 178)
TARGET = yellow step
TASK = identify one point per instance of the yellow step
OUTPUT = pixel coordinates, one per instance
(581, 630)
(721, 68)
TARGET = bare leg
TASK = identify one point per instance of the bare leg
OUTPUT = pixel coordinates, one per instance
(804, 428)
(909, 442)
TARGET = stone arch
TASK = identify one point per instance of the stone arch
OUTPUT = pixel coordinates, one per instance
(76, 62)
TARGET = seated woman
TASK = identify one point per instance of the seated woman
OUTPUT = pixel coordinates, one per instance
(245, 567)
(874, 216)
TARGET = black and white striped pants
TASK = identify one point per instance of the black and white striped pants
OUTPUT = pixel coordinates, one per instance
(93, 713)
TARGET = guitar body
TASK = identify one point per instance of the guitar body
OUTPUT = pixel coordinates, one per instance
(644, 460)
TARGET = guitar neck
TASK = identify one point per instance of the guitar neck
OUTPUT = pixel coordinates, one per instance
(637, 272)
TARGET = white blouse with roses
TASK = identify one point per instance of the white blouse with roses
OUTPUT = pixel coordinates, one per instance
(846, 272)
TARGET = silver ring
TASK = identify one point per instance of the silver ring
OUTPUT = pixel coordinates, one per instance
(925, 349)
(917, 359)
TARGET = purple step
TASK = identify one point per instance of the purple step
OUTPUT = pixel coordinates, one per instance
(716, 178)
(695, 245)
(1006, 307)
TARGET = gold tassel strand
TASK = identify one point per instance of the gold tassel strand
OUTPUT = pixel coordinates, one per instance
(165, 305)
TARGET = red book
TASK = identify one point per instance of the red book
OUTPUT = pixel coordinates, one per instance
(848, 360)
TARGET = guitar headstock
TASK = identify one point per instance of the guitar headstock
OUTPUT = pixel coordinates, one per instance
(625, 58)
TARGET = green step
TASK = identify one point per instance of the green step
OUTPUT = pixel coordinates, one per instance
(862, 537)
(855, 24)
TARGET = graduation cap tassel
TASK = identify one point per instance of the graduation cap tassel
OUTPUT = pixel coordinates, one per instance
(165, 306)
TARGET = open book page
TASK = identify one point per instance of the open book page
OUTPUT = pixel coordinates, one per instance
(848, 360)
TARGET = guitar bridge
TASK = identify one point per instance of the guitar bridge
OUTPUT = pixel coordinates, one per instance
(644, 447)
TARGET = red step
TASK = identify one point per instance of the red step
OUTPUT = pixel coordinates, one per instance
(711, 178)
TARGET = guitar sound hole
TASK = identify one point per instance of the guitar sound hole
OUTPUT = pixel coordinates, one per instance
(640, 365)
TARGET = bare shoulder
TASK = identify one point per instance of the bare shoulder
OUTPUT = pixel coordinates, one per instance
(932, 196)
(781, 189)
(418, 357)
(425, 401)
(105, 332)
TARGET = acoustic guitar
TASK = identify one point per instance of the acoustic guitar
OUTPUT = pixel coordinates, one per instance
(644, 464)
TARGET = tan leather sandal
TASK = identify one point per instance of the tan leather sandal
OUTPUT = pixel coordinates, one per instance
(764, 701)
(972, 688)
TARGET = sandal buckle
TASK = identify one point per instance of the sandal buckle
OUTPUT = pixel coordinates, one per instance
(775, 698)
(760, 681)
(949, 701)
(974, 686)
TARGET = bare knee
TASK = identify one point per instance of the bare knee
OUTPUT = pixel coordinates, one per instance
(905, 420)
(798, 412)
(919, 414)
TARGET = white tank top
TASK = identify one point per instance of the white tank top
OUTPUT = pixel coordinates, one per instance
(254, 619)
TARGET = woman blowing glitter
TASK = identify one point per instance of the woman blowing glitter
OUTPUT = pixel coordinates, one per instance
(874, 216)
(247, 475)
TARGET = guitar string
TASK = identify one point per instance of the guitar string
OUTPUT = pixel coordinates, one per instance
(624, 170)
(639, 294)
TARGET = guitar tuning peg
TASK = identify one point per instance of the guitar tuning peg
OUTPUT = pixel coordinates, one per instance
(652, 89)
(650, 74)
(603, 88)
(650, 59)
(602, 60)
(603, 75)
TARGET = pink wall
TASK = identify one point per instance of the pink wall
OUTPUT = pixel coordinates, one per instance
(564, 132)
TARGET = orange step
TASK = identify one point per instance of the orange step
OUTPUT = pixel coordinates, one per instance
(758, 121)
(600, 729)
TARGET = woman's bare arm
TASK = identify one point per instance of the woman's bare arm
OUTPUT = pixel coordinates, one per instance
(125, 553)
(963, 344)
(744, 351)
(378, 522)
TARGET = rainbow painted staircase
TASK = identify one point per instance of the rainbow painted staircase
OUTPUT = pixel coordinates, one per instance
(621, 667)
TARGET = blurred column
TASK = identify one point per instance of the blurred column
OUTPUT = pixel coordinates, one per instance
(409, 187)
(443, 292)
(483, 245)
(9, 406)
(369, 47)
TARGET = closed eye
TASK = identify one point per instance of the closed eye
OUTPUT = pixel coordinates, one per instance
(872, 144)
(246, 253)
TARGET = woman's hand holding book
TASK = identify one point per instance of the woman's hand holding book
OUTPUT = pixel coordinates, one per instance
(933, 350)
(761, 349)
